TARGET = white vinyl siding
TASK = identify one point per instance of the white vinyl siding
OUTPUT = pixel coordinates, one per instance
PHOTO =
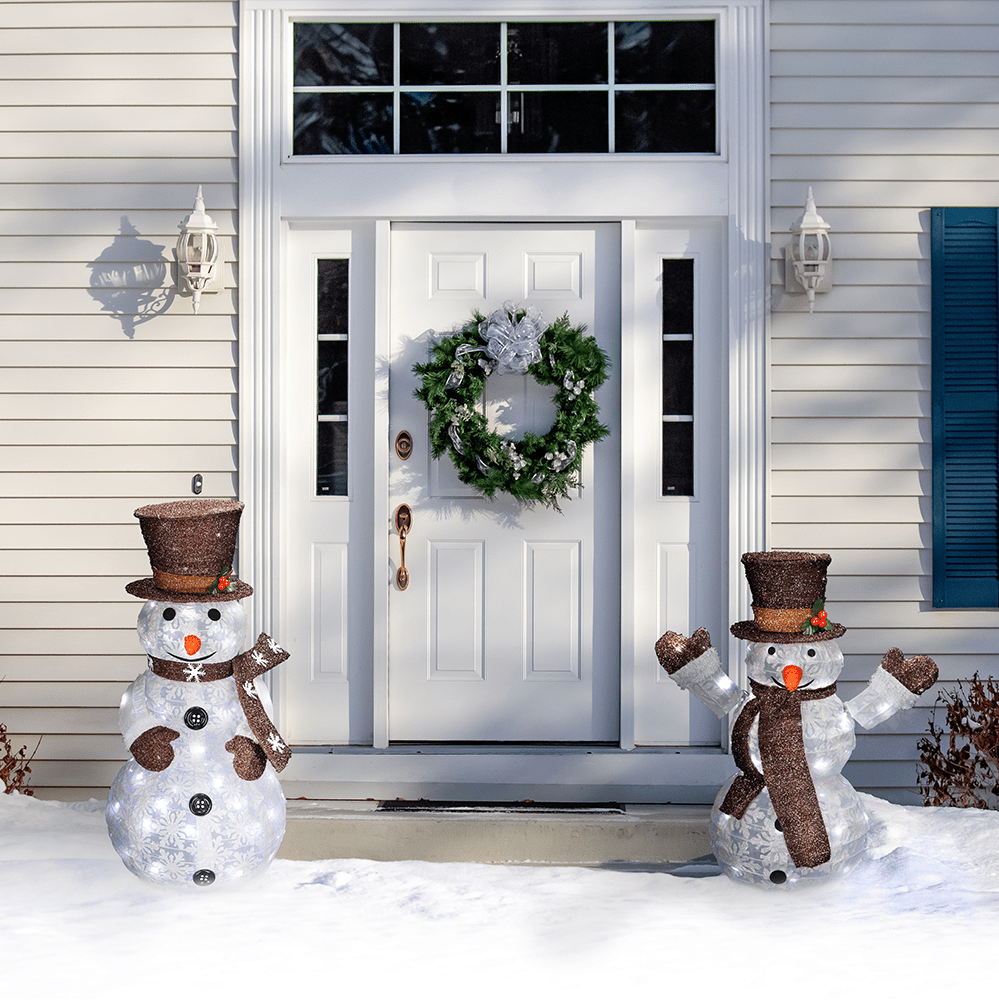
(112, 115)
(886, 108)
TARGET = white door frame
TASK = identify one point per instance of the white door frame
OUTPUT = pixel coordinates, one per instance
(269, 201)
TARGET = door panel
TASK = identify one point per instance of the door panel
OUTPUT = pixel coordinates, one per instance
(509, 628)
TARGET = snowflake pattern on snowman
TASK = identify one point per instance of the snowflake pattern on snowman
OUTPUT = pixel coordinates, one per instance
(789, 817)
(200, 803)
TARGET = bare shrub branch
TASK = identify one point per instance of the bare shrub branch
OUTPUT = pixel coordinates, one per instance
(960, 760)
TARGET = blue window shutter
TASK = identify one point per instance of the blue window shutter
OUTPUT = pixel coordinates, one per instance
(965, 331)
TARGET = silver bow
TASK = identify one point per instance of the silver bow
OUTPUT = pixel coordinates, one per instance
(513, 346)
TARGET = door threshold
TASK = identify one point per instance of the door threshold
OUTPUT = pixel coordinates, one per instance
(500, 749)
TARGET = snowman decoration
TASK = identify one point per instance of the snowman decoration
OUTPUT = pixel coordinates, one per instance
(199, 803)
(789, 816)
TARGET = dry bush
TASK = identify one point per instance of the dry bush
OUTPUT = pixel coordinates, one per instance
(15, 765)
(961, 759)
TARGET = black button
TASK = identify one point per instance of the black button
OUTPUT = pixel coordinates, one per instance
(778, 877)
(200, 804)
(203, 876)
(777, 826)
(196, 718)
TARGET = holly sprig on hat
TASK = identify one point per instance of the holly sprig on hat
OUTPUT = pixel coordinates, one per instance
(818, 622)
(225, 582)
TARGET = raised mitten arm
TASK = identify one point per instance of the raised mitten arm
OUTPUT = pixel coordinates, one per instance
(894, 687)
(694, 664)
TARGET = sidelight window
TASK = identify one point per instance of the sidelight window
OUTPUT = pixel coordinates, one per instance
(332, 346)
(678, 376)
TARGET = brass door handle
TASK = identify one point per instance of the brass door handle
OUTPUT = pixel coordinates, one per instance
(403, 524)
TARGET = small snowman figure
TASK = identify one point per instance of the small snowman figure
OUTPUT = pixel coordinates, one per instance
(789, 817)
(200, 802)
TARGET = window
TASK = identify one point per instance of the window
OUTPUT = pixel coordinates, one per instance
(504, 87)
(965, 331)
(331, 376)
(678, 377)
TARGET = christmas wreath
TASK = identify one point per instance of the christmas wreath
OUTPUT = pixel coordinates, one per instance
(536, 468)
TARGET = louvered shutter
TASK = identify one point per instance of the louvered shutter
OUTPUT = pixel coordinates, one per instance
(965, 330)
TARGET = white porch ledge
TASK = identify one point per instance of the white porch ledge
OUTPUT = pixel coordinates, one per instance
(650, 775)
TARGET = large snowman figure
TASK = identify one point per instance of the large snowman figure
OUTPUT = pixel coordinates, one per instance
(199, 803)
(789, 816)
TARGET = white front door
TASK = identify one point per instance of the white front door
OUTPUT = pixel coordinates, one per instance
(509, 628)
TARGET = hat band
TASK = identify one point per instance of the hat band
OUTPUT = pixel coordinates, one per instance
(183, 584)
(781, 619)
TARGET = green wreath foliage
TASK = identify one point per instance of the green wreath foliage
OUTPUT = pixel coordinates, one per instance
(536, 468)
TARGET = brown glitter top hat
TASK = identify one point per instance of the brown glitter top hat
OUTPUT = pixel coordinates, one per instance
(789, 591)
(191, 545)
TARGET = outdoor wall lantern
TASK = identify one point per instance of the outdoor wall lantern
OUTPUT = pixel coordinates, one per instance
(808, 259)
(199, 253)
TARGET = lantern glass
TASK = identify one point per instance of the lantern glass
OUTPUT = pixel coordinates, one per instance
(197, 252)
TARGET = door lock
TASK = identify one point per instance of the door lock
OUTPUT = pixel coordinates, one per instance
(403, 524)
(404, 444)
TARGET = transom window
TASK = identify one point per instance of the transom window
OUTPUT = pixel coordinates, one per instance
(504, 87)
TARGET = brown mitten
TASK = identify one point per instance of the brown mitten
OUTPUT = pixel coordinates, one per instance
(248, 760)
(676, 651)
(152, 749)
(917, 673)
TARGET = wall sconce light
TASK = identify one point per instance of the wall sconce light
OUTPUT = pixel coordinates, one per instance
(808, 259)
(199, 253)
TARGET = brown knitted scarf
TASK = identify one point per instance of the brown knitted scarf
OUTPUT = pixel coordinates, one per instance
(785, 770)
(264, 655)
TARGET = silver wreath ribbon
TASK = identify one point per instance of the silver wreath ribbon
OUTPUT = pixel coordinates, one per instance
(511, 347)
(514, 346)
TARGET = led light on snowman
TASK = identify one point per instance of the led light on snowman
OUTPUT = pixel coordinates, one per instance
(789, 816)
(200, 803)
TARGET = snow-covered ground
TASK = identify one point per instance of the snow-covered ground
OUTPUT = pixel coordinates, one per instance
(919, 917)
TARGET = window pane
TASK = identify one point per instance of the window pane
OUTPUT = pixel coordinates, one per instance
(665, 121)
(678, 459)
(331, 459)
(449, 54)
(331, 377)
(331, 290)
(664, 52)
(343, 55)
(678, 377)
(552, 122)
(678, 298)
(342, 123)
(449, 123)
(540, 52)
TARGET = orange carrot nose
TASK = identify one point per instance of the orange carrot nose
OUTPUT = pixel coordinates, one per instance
(792, 676)
(192, 644)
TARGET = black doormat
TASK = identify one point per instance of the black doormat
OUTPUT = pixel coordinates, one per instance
(430, 805)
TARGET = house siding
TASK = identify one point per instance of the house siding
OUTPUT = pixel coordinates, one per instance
(115, 394)
(886, 109)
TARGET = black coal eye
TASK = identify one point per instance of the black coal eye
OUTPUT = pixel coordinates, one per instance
(771, 650)
(169, 614)
(214, 614)
(811, 652)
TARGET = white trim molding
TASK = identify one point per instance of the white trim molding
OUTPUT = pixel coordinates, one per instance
(275, 193)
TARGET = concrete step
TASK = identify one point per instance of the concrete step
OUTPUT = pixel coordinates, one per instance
(628, 835)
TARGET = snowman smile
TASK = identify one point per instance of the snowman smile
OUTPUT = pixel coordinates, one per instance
(192, 659)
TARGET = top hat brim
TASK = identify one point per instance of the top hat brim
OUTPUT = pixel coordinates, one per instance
(753, 633)
(148, 591)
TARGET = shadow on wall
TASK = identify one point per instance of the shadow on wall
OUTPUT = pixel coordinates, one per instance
(132, 279)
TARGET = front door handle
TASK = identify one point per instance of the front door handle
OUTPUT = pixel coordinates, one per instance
(403, 524)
